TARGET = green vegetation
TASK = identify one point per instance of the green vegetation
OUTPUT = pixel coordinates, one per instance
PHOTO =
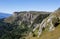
(10, 31)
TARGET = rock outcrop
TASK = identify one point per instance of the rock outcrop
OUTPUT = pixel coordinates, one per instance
(50, 22)
(31, 17)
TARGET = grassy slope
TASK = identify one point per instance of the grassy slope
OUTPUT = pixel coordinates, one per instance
(48, 35)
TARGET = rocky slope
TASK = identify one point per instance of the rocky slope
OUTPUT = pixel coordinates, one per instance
(46, 34)
(18, 25)
(41, 23)
(48, 25)
(28, 18)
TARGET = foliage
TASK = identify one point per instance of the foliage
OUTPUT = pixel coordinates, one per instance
(11, 31)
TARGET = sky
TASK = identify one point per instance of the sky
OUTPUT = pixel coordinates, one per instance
(10, 6)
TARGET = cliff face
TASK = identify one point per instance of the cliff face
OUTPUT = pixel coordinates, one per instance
(49, 23)
(30, 17)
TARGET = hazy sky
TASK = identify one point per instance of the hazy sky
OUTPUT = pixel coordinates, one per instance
(9, 6)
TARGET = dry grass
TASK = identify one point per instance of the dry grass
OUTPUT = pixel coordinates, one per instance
(48, 35)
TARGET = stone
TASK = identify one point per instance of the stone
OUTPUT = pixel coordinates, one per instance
(49, 21)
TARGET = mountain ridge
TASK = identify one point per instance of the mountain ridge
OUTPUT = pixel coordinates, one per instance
(23, 25)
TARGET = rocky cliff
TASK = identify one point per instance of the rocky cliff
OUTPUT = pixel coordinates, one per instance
(49, 23)
(28, 18)
(20, 24)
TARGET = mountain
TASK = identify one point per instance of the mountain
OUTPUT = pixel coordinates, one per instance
(24, 22)
(27, 16)
(49, 28)
(4, 15)
(30, 24)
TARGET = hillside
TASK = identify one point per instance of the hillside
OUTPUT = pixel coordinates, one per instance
(51, 26)
(31, 25)
(17, 25)
(26, 16)
(48, 35)
(12, 31)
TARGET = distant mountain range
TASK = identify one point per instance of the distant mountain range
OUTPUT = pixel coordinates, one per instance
(4, 15)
